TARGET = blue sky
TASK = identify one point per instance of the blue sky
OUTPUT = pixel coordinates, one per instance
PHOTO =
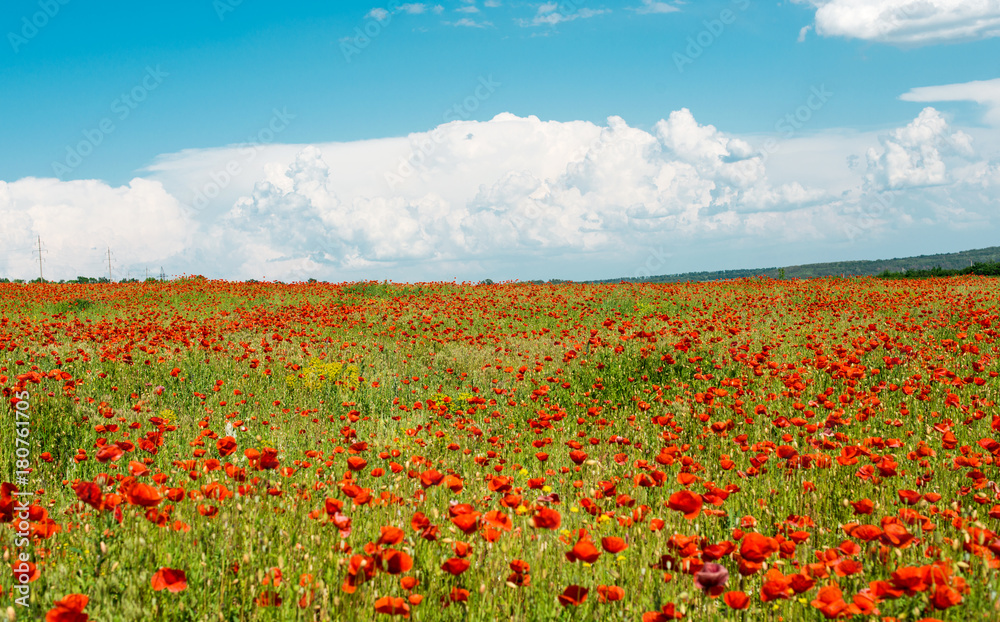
(579, 139)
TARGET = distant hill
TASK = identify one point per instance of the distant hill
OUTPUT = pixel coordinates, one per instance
(945, 261)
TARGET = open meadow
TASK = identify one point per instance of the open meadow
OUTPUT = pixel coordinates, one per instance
(746, 450)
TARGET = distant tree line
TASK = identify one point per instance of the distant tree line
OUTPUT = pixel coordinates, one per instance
(978, 268)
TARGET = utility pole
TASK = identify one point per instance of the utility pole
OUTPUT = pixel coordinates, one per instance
(109, 264)
(41, 277)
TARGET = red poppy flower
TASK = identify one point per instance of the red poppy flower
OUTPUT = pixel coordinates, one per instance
(665, 614)
(573, 595)
(430, 478)
(687, 502)
(613, 545)
(757, 548)
(865, 533)
(546, 518)
(945, 596)
(89, 493)
(170, 579)
(584, 550)
(909, 497)
(396, 562)
(143, 495)
(22, 569)
(455, 566)
(226, 446)
(830, 602)
(453, 483)
(911, 579)
(736, 600)
(390, 535)
(109, 453)
(269, 459)
(468, 523)
(498, 520)
(409, 583)
(69, 609)
(392, 606)
(609, 593)
(896, 535)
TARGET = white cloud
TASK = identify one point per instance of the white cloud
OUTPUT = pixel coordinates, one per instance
(908, 22)
(983, 92)
(469, 23)
(549, 15)
(79, 220)
(413, 8)
(467, 9)
(914, 155)
(505, 187)
(377, 14)
(517, 197)
(652, 6)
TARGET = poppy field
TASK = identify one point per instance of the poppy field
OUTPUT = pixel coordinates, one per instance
(746, 450)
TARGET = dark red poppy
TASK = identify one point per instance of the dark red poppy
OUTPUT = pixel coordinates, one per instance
(455, 566)
(226, 446)
(573, 595)
(170, 579)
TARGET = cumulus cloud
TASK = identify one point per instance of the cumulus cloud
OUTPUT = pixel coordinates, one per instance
(497, 189)
(915, 155)
(517, 197)
(79, 220)
(907, 22)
